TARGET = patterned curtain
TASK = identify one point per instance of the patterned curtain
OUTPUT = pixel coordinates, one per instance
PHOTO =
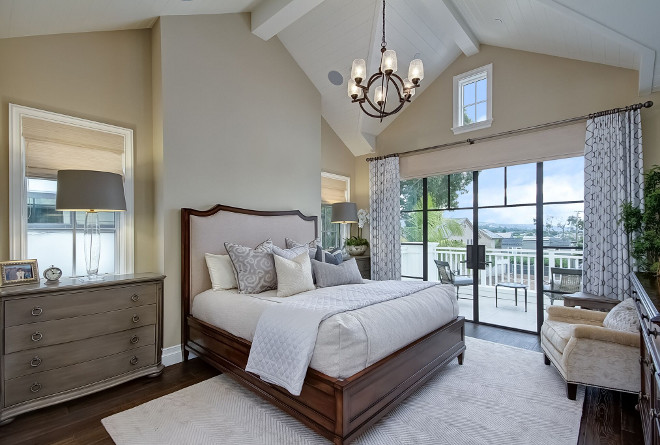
(385, 224)
(613, 174)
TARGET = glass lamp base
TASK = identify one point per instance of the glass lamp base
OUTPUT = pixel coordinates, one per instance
(91, 278)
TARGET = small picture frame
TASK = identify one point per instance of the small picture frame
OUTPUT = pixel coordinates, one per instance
(19, 272)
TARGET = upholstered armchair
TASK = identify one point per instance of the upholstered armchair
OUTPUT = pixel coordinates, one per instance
(586, 353)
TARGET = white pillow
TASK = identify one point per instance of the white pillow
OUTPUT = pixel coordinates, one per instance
(293, 276)
(623, 317)
(221, 271)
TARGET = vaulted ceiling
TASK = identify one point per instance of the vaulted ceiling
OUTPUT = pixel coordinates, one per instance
(326, 35)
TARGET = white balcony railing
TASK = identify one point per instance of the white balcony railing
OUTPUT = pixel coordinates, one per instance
(517, 265)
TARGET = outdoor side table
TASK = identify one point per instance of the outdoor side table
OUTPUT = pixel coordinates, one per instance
(514, 286)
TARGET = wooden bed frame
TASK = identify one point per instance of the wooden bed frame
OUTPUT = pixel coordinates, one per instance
(337, 409)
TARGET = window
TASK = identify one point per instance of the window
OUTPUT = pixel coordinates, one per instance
(41, 143)
(334, 188)
(473, 100)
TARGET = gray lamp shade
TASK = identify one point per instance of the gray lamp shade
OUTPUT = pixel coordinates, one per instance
(88, 190)
(344, 212)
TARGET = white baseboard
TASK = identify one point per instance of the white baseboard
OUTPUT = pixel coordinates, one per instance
(173, 355)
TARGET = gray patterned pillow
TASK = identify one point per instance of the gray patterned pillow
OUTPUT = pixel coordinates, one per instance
(291, 253)
(335, 275)
(310, 245)
(254, 268)
(623, 317)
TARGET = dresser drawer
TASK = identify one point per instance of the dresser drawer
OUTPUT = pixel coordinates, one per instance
(57, 306)
(58, 380)
(37, 335)
(37, 360)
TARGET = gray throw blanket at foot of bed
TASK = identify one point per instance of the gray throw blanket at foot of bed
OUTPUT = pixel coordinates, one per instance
(286, 333)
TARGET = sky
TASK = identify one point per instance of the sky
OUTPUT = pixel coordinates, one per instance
(563, 180)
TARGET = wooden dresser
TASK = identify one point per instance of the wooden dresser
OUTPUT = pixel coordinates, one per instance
(66, 340)
(646, 293)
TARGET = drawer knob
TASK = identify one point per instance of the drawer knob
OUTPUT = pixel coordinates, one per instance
(36, 387)
(36, 361)
(37, 336)
(135, 318)
(135, 339)
(135, 297)
(134, 360)
(36, 311)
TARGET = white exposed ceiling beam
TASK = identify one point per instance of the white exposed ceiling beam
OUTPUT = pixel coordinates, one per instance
(273, 16)
(463, 35)
(646, 54)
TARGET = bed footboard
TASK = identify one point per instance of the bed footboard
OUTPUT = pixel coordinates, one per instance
(339, 410)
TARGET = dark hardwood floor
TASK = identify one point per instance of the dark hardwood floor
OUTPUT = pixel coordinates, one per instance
(608, 417)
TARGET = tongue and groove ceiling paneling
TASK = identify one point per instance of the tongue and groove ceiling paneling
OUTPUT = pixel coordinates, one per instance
(326, 35)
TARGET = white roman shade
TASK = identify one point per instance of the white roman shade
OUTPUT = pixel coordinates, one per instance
(333, 190)
(52, 146)
(544, 145)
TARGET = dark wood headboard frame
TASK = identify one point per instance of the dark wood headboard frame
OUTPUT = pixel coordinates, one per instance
(186, 213)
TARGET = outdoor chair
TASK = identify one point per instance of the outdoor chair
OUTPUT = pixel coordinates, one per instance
(448, 277)
(562, 282)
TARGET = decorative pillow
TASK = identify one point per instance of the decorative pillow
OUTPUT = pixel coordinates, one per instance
(623, 317)
(335, 275)
(254, 268)
(293, 276)
(221, 271)
(310, 245)
(328, 257)
(291, 253)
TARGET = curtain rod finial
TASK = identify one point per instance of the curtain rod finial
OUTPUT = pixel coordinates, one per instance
(648, 104)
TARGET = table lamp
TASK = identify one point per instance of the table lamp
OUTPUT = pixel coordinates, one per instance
(91, 192)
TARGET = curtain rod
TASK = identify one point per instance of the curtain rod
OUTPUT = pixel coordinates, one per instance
(637, 106)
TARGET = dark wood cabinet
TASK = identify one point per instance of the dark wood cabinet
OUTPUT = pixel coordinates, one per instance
(364, 264)
(646, 292)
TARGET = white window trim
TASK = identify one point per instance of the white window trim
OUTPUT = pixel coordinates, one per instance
(345, 229)
(18, 182)
(458, 100)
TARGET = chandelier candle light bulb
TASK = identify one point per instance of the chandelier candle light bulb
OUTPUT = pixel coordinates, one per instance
(416, 71)
(388, 62)
(408, 87)
(379, 95)
(359, 70)
(354, 91)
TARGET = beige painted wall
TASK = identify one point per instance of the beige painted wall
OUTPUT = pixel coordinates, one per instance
(335, 156)
(102, 76)
(241, 127)
(528, 89)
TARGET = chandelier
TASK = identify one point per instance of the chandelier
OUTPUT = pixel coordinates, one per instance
(385, 79)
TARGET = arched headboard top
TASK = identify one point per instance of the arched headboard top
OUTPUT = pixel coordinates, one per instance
(207, 231)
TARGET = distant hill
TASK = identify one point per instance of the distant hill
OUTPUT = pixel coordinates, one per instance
(503, 227)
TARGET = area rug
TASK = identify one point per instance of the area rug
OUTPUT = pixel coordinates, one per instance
(501, 395)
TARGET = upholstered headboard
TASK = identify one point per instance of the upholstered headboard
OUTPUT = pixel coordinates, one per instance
(206, 231)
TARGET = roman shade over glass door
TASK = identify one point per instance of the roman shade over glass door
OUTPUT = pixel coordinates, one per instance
(544, 145)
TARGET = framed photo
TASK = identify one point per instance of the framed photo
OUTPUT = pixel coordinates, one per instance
(19, 272)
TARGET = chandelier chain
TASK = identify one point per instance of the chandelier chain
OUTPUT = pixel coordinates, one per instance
(383, 43)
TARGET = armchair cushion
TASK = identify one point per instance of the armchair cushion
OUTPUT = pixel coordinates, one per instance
(607, 335)
(623, 317)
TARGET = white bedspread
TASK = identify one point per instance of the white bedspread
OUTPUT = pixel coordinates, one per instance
(286, 334)
(347, 342)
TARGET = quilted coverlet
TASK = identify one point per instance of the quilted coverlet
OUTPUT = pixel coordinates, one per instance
(286, 334)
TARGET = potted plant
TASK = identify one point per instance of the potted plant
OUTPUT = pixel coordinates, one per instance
(356, 245)
(643, 225)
